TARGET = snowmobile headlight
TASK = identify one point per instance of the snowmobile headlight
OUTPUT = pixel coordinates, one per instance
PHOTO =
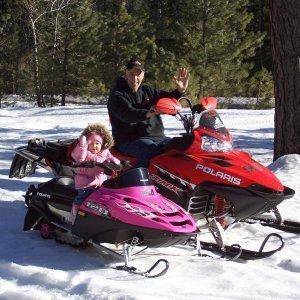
(212, 144)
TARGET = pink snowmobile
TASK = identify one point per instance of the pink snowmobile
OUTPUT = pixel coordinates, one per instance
(126, 210)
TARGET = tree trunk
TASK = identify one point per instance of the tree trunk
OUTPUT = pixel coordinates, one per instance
(261, 30)
(39, 96)
(55, 42)
(285, 40)
(203, 43)
(65, 74)
(16, 79)
(65, 62)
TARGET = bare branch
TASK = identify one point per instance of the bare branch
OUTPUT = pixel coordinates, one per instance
(32, 7)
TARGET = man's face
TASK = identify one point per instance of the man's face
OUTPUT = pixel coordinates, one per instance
(134, 78)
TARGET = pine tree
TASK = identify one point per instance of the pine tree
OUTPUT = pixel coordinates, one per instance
(122, 37)
(211, 38)
(220, 46)
(14, 49)
(80, 48)
(166, 49)
(260, 23)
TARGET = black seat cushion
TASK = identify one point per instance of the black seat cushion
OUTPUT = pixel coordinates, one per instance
(66, 181)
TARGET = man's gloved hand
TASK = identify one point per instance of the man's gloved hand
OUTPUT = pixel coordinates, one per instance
(198, 108)
(152, 112)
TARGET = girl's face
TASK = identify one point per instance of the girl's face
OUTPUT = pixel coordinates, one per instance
(95, 143)
(95, 147)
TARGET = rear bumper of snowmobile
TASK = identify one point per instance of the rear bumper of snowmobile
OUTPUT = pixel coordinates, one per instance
(51, 156)
(251, 201)
(23, 164)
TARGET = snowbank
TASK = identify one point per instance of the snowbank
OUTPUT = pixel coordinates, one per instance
(33, 268)
(289, 164)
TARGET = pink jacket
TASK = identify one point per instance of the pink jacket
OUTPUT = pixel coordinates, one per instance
(90, 177)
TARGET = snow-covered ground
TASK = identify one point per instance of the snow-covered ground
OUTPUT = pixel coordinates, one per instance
(33, 268)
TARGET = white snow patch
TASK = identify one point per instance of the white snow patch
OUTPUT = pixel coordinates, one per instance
(287, 163)
(33, 268)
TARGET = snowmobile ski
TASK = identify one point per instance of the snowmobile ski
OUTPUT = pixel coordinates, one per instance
(147, 273)
(126, 255)
(235, 251)
(287, 226)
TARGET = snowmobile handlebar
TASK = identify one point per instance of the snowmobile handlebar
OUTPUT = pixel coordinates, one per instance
(187, 100)
(172, 106)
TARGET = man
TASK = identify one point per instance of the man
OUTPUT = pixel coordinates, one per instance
(136, 127)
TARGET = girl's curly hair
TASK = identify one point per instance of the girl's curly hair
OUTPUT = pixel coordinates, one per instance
(100, 129)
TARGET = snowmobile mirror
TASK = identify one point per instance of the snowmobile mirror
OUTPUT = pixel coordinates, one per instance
(168, 106)
(209, 102)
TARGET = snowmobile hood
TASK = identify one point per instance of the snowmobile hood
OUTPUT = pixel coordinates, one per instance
(235, 168)
(142, 206)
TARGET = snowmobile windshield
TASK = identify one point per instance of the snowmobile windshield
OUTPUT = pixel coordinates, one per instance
(211, 119)
(134, 177)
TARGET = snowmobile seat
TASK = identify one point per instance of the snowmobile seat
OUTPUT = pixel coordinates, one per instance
(63, 170)
(57, 151)
(54, 155)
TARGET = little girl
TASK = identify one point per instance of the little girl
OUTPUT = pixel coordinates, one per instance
(93, 145)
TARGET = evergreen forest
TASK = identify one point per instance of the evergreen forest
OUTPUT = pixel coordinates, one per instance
(53, 48)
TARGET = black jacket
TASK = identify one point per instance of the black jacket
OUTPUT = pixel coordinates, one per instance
(127, 111)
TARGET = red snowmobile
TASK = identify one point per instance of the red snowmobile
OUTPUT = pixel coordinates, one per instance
(201, 171)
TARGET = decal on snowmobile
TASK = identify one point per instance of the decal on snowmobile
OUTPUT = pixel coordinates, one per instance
(147, 192)
(97, 207)
(164, 183)
(162, 209)
(157, 207)
(211, 171)
(137, 210)
(181, 181)
(43, 195)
